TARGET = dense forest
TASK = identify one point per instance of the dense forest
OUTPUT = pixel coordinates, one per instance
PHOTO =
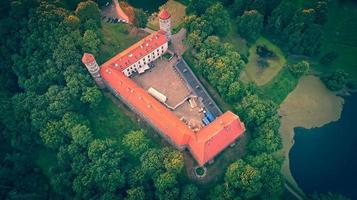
(45, 94)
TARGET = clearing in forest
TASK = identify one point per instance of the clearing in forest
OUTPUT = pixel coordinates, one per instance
(262, 70)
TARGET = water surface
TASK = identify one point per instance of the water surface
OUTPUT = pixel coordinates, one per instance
(325, 159)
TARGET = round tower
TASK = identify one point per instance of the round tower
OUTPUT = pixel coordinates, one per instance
(93, 68)
(165, 23)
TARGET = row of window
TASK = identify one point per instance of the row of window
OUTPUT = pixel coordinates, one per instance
(133, 68)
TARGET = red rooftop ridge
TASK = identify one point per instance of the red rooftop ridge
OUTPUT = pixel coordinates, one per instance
(204, 144)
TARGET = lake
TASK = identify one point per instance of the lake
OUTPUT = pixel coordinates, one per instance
(325, 159)
(147, 5)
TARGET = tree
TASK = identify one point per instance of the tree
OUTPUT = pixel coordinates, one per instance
(336, 80)
(250, 24)
(173, 160)
(141, 18)
(151, 162)
(300, 68)
(244, 179)
(255, 111)
(106, 159)
(92, 96)
(321, 11)
(91, 42)
(88, 10)
(238, 7)
(165, 181)
(198, 6)
(189, 192)
(136, 142)
(218, 17)
(166, 186)
(235, 91)
(272, 180)
(135, 194)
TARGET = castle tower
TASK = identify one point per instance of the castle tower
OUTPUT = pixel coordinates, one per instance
(165, 23)
(93, 68)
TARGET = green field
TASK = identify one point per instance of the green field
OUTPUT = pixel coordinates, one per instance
(255, 73)
(280, 87)
(117, 37)
(340, 36)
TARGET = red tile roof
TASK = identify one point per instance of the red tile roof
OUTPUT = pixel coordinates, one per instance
(164, 14)
(204, 145)
(215, 137)
(137, 51)
(87, 58)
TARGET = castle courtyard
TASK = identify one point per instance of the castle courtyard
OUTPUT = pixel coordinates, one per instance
(164, 78)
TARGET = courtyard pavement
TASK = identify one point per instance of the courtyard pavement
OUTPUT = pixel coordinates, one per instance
(197, 87)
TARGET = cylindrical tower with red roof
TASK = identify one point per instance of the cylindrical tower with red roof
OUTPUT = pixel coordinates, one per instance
(165, 23)
(93, 68)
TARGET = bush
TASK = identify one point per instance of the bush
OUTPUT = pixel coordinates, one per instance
(264, 52)
(300, 68)
(336, 81)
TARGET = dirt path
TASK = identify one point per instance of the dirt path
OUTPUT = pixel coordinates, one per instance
(310, 105)
(177, 42)
(120, 12)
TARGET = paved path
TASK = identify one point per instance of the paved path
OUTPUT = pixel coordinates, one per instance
(185, 71)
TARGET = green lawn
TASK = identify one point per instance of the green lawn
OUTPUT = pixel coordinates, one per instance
(107, 121)
(117, 37)
(279, 88)
(255, 73)
(340, 36)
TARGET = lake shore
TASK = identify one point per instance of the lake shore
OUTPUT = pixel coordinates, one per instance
(309, 105)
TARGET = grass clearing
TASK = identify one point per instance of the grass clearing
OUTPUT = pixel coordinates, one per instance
(107, 121)
(255, 73)
(177, 11)
(117, 37)
(280, 87)
(340, 36)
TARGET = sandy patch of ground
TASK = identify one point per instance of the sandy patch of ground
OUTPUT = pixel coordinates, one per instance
(310, 105)
(177, 42)
(177, 11)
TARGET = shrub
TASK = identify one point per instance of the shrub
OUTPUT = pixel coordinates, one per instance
(300, 68)
(336, 81)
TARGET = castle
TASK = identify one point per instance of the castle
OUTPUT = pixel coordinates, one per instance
(115, 74)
